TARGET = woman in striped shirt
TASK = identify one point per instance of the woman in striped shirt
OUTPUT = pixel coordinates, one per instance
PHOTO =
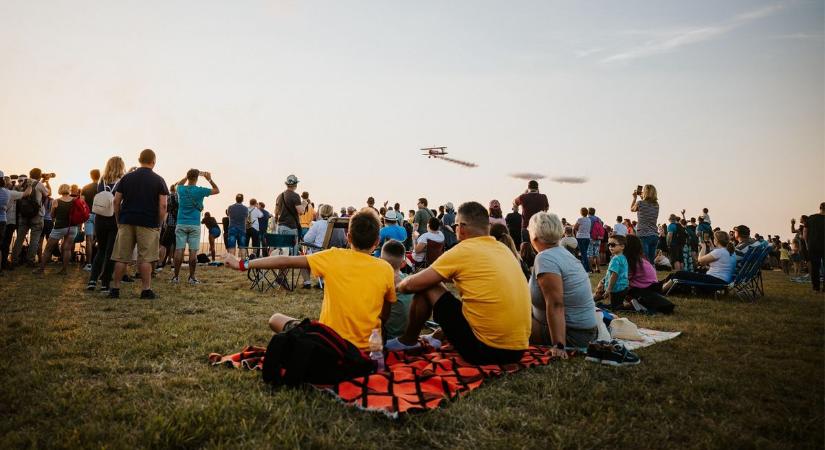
(647, 210)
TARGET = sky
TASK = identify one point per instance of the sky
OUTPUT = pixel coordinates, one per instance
(718, 104)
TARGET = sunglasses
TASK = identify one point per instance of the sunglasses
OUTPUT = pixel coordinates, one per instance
(612, 244)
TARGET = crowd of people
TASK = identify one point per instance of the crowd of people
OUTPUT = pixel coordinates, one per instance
(522, 278)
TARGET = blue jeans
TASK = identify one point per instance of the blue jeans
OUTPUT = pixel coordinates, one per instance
(584, 244)
(236, 237)
(649, 244)
(281, 229)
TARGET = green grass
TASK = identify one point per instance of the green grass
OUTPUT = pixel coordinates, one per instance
(82, 371)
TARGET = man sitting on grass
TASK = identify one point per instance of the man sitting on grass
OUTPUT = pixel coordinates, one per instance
(358, 288)
(491, 323)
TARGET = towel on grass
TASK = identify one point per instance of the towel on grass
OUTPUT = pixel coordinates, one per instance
(411, 382)
(650, 337)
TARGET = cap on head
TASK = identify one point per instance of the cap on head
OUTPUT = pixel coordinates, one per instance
(390, 216)
(449, 206)
(291, 180)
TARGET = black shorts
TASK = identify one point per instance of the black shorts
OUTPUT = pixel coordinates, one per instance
(447, 312)
(167, 238)
(676, 254)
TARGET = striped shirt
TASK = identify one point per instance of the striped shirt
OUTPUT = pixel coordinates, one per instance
(647, 215)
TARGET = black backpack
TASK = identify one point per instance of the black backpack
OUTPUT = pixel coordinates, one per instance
(312, 352)
(680, 236)
(28, 207)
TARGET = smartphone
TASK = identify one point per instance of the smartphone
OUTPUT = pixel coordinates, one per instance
(639, 190)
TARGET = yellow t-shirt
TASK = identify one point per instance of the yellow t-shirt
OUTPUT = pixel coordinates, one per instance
(494, 294)
(307, 217)
(355, 288)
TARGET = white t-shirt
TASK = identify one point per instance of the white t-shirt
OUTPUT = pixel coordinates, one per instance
(438, 236)
(255, 214)
(584, 228)
(620, 229)
(569, 242)
(723, 267)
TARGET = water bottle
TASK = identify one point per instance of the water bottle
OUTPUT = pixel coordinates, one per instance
(377, 350)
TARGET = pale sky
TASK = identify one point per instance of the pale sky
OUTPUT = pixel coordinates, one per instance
(719, 104)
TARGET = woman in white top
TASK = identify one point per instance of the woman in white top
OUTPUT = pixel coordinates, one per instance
(721, 261)
(582, 229)
(433, 234)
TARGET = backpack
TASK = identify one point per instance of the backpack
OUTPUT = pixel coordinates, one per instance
(28, 207)
(597, 229)
(103, 203)
(79, 213)
(312, 352)
(680, 237)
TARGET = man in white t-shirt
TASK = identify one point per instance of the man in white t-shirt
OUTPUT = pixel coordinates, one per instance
(433, 234)
(619, 229)
(254, 216)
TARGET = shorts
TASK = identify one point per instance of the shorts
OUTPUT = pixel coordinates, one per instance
(188, 235)
(595, 246)
(89, 226)
(574, 337)
(60, 233)
(236, 237)
(675, 253)
(215, 232)
(447, 312)
(128, 236)
(796, 257)
(167, 237)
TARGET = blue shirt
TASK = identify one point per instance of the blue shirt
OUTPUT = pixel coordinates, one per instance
(4, 200)
(618, 265)
(190, 204)
(263, 221)
(396, 232)
(237, 215)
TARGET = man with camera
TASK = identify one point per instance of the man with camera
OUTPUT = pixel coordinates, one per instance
(8, 197)
(30, 213)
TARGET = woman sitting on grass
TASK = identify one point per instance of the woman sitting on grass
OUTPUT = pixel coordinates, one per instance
(720, 259)
(645, 287)
(563, 306)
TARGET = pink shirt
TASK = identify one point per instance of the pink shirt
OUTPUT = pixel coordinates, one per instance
(644, 276)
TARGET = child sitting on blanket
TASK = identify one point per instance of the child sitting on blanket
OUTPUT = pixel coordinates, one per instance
(613, 287)
(393, 252)
(358, 288)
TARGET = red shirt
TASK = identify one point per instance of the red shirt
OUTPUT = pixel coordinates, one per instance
(531, 203)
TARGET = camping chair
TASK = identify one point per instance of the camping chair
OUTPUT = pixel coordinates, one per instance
(746, 282)
(434, 251)
(263, 280)
(334, 223)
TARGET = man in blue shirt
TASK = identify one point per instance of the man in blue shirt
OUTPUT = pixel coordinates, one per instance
(188, 229)
(236, 234)
(390, 231)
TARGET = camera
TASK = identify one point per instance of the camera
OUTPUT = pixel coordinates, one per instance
(46, 176)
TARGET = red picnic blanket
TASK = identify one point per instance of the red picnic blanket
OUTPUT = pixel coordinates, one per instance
(410, 383)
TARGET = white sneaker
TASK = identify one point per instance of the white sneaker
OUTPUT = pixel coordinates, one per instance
(394, 345)
(431, 341)
(194, 281)
(174, 280)
(87, 267)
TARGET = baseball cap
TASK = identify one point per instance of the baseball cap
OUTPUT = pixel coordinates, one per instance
(291, 180)
(390, 215)
(449, 205)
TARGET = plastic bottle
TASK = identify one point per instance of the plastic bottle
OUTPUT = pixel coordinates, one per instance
(377, 350)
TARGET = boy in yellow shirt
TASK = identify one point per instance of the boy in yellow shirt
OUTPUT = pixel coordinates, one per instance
(358, 289)
(492, 321)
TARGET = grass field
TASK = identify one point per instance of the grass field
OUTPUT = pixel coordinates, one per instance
(83, 371)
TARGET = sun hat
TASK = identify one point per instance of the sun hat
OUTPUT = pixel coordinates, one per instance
(390, 216)
(291, 180)
(624, 329)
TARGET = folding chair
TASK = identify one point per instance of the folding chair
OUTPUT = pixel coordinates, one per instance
(263, 280)
(330, 237)
(433, 252)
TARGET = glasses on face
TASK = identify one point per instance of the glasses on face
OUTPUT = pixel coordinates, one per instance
(612, 244)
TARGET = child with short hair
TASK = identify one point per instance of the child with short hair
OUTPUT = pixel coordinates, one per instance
(358, 288)
(796, 258)
(393, 252)
(614, 286)
(785, 257)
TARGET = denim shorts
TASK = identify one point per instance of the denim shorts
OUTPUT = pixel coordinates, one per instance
(595, 246)
(188, 235)
(89, 226)
(60, 233)
(235, 237)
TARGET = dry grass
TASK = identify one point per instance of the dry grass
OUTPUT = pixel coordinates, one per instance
(83, 371)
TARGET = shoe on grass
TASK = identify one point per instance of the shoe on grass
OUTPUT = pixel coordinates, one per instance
(87, 267)
(394, 345)
(194, 281)
(91, 286)
(113, 293)
(148, 294)
(612, 353)
(174, 280)
(307, 286)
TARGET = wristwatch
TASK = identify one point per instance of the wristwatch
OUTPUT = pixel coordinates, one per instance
(559, 346)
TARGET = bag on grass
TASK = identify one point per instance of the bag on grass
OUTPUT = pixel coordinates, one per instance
(203, 258)
(312, 352)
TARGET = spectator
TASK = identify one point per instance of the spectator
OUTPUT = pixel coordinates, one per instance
(391, 231)
(60, 210)
(253, 225)
(613, 287)
(393, 252)
(433, 234)
(706, 216)
(496, 214)
(676, 240)
(236, 234)
(48, 225)
(188, 230)
(619, 228)
(721, 260)
(662, 262)
(562, 304)
(744, 243)
(30, 213)
(449, 226)
(647, 210)
(140, 206)
(441, 211)
(106, 226)
(88, 192)
(421, 218)
(597, 233)
(815, 240)
(371, 205)
(263, 224)
(288, 208)
(513, 221)
(7, 223)
(167, 232)
(213, 230)
(491, 323)
(531, 202)
(308, 216)
(582, 230)
(569, 241)
(502, 234)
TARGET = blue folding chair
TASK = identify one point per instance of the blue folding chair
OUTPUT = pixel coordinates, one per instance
(263, 280)
(747, 281)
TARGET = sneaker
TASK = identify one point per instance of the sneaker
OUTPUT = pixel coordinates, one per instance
(158, 269)
(148, 294)
(114, 293)
(104, 289)
(128, 279)
(612, 353)
(87, 267)
(307, 286)
(431, 341)
(394, 345)
(194, 281)
(91, 286)
(174, 280)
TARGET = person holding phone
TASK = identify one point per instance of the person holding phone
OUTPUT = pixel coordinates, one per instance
(188, 228)
(647, 210)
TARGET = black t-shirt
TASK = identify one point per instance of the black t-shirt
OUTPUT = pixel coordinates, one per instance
(816, 232)
(285, 205)
(88, 192)
(513, 221)
(210, 222)
(140, 190)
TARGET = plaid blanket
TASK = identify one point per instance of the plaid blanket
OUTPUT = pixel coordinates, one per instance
(411, 382)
